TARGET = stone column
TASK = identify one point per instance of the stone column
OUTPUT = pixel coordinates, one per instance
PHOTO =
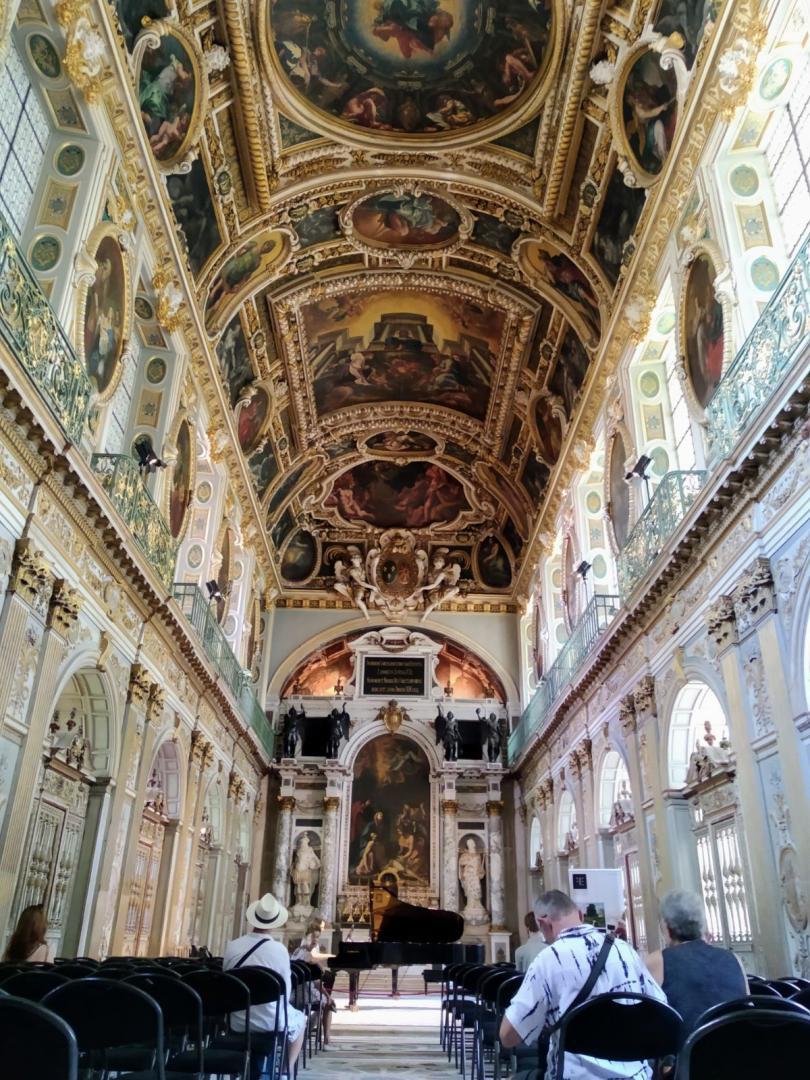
(256, 883)
(158, 936)
(495, 867)
(636, 708)
(329, 861)
(40, 615)
(582, 769)
(450, 854)
(112, 864)
(768, 932)
(768, 677)
(205, 752)
(281, 872)
(545, 800)
(201, 754)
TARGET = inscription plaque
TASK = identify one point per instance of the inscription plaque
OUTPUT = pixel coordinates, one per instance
(394, 676)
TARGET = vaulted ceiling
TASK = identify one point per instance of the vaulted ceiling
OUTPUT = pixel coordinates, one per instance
(406, 224)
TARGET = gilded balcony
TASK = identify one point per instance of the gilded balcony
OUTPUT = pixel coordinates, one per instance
(124, 485)
(33, 334)
(658, 521)
(596, 618)
(780, 337)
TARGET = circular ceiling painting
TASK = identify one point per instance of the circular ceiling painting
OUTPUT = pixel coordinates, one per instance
(432, 68)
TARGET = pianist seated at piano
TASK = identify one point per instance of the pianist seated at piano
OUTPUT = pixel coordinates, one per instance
(259, 948)
(311, 953)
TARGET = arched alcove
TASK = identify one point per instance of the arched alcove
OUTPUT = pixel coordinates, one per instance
(614, 780)
(567, 832)
(695, 707)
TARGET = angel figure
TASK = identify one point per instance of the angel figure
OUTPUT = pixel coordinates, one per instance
(292, 730)
(445, 583)
(351, 581)
(339, 726)
(490, 735)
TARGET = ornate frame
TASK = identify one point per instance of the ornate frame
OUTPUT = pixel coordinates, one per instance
(553, 296)
(245, 397)
(316, 566)
(669, 60)
(214, 325)
(323, 123)
(619, 427)
(150, 38)
(170, 445)
(557, 410)
(722, 277)
(406, 257)
(87, 275)
(476, 566)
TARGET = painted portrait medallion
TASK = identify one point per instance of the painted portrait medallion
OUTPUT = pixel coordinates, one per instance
(410, 221)
(250, 266)
(105, 316)
(251, 416)
(549, 431)
(702, 332)
(399, 443)
(649, 103)
(234, 359)
(391, 496)
(389, 829)
(561, 274)
(180, 491)
(619, 492)
(170, 97)
(494, 568)
(300, 557)
(411, 67)
(403, 346)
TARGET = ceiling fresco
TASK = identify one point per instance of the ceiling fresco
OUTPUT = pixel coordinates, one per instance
(407, 222)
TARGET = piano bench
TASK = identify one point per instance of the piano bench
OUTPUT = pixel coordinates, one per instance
(432, 975)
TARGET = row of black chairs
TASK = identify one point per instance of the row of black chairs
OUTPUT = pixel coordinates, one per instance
(148, 1020)
(742, 1038)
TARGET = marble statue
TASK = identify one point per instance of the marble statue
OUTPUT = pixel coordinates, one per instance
(339, 728)
(490, 736)
(444, 585)
(351, 581)
(471, 873)
(708, 757)
(305, 867)
(622, 807)
(292, 731)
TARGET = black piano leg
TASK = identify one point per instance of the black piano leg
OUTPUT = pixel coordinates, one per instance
(354, 990)
(394, 982)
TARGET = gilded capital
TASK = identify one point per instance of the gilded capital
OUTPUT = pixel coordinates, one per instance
(236, 786)
(31, 577)
(287, 803)
(627, 715)
(494, 807)
(66, 603)
(139, 686)
(644, 697)
(450, 806)
(755, 595)
(721, 623)
(155, 702)
(331, 802)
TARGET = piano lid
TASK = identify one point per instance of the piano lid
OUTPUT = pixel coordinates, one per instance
(394, 920)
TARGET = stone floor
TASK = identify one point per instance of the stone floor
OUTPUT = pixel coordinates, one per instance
(384, 1038)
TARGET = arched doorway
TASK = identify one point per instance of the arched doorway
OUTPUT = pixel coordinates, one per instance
(161, 807)
(64, 827)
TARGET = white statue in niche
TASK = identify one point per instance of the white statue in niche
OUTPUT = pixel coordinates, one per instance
(709, 757)
(471, 872)
(306, 865)
(622, 807)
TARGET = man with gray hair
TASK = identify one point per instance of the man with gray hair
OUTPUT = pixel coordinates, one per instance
(694, 974)
(556, 978)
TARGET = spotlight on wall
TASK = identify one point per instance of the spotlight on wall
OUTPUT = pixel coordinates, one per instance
(639, 472)
(583, 569)
(214, 592)
(148, 461)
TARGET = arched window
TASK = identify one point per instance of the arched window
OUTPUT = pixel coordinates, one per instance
(567, 832)
(535, 846)
(614, 785)
(24, 133)
(697, 716)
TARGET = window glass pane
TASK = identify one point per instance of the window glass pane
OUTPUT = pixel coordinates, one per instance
(24, 131)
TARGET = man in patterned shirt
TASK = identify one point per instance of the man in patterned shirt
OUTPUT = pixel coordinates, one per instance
(556, 976)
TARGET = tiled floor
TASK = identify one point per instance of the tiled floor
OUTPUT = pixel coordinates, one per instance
(384, 1038)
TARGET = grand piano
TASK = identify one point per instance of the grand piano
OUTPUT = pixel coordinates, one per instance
(402, 934)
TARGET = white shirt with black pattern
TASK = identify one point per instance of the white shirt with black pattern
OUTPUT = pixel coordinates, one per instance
(554, 979)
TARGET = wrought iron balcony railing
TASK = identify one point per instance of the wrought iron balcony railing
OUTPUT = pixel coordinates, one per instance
(34, 335)
(781, 334)
(124, 484)
(215, 646)
(589, 628)
(657, 522)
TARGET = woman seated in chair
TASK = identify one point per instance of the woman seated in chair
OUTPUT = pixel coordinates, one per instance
(28, 943)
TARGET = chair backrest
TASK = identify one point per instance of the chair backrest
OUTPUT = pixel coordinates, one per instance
(782, 986)
(468, 982)
(116, 971)
(747, 1045)
(74, 970)
(506, 991)
(32, 985)
(105, 1013)
(180, 1003)
(489, 986)
(36, 1043)
(751, 1002)
(265, 986)
(802, 997)
(221, 993)
(621, 1027)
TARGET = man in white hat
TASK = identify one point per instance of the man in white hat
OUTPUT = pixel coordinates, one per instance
(258, 949)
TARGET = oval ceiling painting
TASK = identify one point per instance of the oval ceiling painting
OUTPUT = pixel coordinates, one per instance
(407, 221)
(619, 508)
(180, 491)
(106, 306)
(649, 113)
(401, 442)
(413, 67)
(702, 338)
(300, 555)
(391, 496)
(494, 567)
(251, 417)
(170, 96)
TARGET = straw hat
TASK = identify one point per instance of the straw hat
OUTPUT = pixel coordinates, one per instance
(267, 913)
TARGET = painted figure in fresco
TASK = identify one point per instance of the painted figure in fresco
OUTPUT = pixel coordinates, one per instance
(406, 220)
(306, 865)
(650, 114)
(490, 735)
(566, 277)
(102, 318)
(704, 331)
(252, 415)
(238, 270)
(415, 25)
(166, 99)
(494, 563)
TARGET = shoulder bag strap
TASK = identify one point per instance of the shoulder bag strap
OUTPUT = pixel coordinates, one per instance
(597, 968)
(249, 953)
